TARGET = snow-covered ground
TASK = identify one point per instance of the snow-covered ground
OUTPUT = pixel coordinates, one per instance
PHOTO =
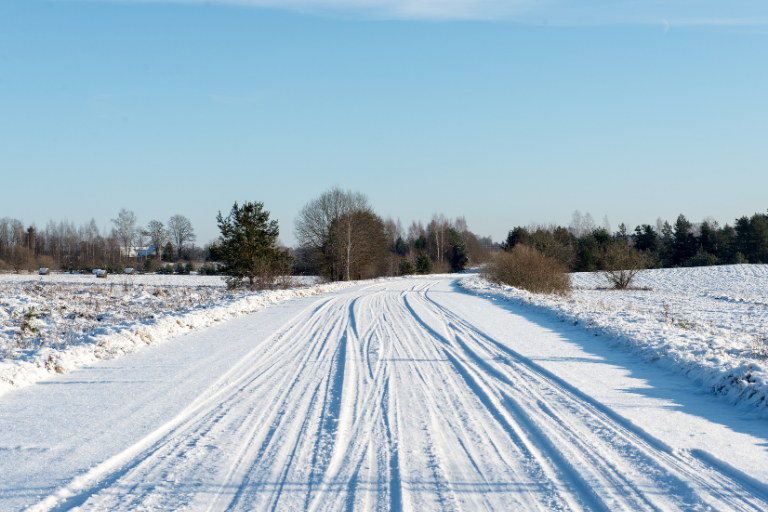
(52, 324)
(710, 323)
(397, 395)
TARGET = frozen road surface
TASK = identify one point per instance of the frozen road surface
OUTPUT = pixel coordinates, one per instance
(403, 395)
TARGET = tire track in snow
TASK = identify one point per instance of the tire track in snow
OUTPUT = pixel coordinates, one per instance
(382, 399)
(615, 480)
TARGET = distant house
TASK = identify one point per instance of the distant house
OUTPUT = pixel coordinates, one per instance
(137, 252)
(144, 252)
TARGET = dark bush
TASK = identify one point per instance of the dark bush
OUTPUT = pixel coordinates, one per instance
(702, 259)
(407, 267)
(424, 264)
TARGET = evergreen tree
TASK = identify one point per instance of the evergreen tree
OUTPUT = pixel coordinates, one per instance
(401, 247)
(622, 233)
(248, 247)
(759, 241)
(702, 259)
(683, 241)
(646, 238)
(459, 252)
(407, 267)
(725, 244)
(519, 235)
(665, 245)
(708, 239)
(588, 256)
(424, 264)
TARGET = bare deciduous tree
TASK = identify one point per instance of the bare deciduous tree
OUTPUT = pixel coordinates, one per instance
(157, 234)
(438, 236)
(181, 231)
(125, 227)
(326, 227)
(18, 257)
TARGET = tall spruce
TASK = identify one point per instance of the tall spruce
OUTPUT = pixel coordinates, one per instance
(683, 241)
(459, 252)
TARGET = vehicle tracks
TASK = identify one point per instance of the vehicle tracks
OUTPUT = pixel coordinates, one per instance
(383, 399)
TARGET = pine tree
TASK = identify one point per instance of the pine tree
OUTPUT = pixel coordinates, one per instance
(424, 264)
(646, 238)
(683, 241)
(459, 252)
(248, 247)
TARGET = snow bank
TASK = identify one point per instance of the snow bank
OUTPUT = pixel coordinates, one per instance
(53, 324)
(710, 323)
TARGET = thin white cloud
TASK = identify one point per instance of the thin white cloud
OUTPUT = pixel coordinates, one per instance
(552, 12)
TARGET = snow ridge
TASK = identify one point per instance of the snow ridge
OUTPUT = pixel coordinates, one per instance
(118, 325)
(708, 323)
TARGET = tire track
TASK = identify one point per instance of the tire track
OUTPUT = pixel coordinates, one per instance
(383, 399)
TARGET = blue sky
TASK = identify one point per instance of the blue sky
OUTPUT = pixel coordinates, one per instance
(505, 112)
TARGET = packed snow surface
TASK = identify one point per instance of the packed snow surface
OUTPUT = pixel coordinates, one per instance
(400, 395)
(710, 323)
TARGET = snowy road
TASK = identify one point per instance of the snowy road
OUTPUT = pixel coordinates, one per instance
(395, 397)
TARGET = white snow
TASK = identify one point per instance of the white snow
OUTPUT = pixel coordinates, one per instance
(79, 319)
(710, 323)
(395, 395)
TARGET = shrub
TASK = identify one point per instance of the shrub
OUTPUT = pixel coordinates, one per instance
(525, 267)
(407, 267)
(165, 269)
(622, 264)
(208, 269)
(702, 259)
(424, 264)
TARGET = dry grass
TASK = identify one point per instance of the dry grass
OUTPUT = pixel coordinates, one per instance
(529, 269)
(58, 315)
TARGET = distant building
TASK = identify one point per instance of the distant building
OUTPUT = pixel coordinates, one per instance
(137, 252)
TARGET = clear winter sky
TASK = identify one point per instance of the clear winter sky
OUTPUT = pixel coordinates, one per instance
(506, 112)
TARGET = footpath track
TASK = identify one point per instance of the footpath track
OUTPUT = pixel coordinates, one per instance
(383, 398)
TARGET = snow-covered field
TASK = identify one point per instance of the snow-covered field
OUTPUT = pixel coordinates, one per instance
(710, 323)
(53, 324)
(401, 394)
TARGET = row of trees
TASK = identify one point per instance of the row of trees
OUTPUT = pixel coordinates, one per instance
(584, 246)
(341, 238)
(68, 246)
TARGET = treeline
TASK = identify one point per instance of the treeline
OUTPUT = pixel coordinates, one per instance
(341, 238)
(67, 246)
(584, 247)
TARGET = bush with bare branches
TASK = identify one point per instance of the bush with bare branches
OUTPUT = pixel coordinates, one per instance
(525, 267)
(622, 263)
